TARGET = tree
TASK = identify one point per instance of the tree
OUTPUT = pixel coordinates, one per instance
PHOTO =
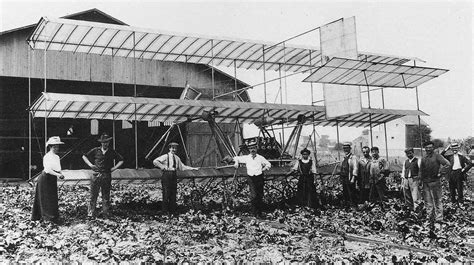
(437, 143)
(324, 141)
(467, 143)
(338, 146)
(413, 135)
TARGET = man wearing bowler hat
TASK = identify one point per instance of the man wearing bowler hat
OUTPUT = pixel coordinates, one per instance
(170, 163)
(103, 166)
(255, 164)
(460, 165)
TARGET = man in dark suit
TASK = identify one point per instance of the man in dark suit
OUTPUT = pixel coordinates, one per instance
(460, 165)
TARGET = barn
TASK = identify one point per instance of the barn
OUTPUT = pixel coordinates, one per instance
(26, 73)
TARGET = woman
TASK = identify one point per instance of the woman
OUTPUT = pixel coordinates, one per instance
(306, 192)
(45, 206)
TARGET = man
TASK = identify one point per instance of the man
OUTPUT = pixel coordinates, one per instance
(103, 167)
(364, 174)
(431, 179)
(306, 190)
(411, 180)
(349, 170)
(460, 165)
(170, 163)
(379, 168)
(255, 164)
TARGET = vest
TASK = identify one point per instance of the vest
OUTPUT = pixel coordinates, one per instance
(411, 166)
(345, 166)
(305, 167)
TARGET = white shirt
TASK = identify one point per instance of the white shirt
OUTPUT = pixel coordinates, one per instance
(51, 163)
(255, 165)
(167, 161)
(456, 162)
(409, 173)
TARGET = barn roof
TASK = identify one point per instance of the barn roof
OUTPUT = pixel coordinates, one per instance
(94, 15)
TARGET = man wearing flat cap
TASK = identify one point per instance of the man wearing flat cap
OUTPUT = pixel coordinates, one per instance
(103, 166)
(460, 165)
(411, 179)
(349, 170)
(170, 163)
(306, 190)
(255, 164)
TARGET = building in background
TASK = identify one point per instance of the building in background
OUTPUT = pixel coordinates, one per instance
(401, 134)
(23, 78)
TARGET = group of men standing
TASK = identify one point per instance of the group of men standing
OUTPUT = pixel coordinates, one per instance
(363, 180)
(421, 178)
(427, 172)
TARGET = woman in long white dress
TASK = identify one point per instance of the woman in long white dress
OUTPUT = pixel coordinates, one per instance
(45, 206)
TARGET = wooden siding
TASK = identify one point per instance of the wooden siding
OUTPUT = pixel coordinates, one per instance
(95, 68)
(198, 138)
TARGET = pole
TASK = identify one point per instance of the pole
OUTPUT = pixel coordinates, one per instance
(112, 76)
(135, 95)
(312, 104)
(45, 106)
(212, 70)
(385, 127)
(264, 75)
(337, 134)
(370, 114)
(419, 118)
(282, 138)
(235, 79)
(29, 113)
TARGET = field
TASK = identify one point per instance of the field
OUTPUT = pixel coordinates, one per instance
(206, 231)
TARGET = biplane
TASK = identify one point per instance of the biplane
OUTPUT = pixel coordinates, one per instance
(342, 69)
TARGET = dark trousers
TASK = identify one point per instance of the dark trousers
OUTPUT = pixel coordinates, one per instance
(306, 191)
(45, 205)
(348, 190)
(256, 184)
(364, 195)
(169, 184)
(456, 185)
(100, 182)
(379, 188)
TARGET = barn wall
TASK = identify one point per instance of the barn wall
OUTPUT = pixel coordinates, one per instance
(14, 62)
(202, 145)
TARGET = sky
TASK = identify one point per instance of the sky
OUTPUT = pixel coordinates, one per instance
(439, 33)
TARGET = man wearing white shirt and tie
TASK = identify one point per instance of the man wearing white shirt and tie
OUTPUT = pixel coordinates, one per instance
(170, 163)
(255, 164)
(460, 165)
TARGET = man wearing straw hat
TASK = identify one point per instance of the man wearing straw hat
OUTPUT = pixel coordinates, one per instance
(460, 165)
(170, 163)
(103, 167)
